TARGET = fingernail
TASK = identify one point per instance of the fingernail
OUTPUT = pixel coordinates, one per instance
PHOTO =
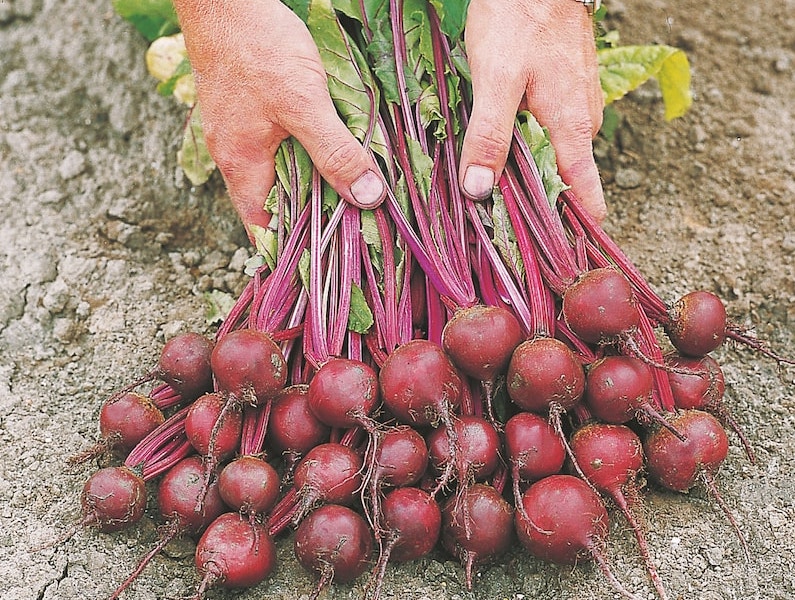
(478, 182)
(368, 190)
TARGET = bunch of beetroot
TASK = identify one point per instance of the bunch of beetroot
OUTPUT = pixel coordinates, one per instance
(435, 373)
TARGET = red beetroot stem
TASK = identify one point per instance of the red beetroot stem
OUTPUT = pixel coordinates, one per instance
(542, 308)
(255, 426)
(164, 397)
(543, 221)
(269, 310)
(171, 430)
(501, 273)
(652, 303)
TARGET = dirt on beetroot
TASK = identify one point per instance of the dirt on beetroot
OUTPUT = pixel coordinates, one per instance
(106, 252)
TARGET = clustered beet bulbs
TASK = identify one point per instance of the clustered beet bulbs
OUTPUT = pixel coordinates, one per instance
(432, 375)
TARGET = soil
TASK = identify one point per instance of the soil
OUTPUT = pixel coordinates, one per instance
(106, 251)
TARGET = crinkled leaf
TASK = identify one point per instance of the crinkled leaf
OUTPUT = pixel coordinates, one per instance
(330, 198)
(360, 317)
(369, 229)
(218, 305)
(381, 49)
(193, 156)
(610, 122)
(271, 203)
(504, 235)
(372, 238)
(452, 14)
(350, 82)
(537, 138)
(303, 268)
(152, 18)
(624, 68)
(266, 244)
(253, 264)
(421, 167)
(430, 111)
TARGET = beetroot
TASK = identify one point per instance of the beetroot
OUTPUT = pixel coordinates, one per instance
(124, 420)
(249, 484)
(181, 491)
(335, 543)
(477, 452)
(679, 465)
(113, 498)
(330, 473)
(234, 553)
(534, 450)
(611, 456)
(533, 447)
(697, 382)
(293, 429)
(248, 365)
(213, 427)
(544, 371)
(490, 529)
(619, 388)
(398, 458)
(480, 340)
(343, 392)
(401, 457)
(411, 521)
(564, 521)
(419, 384)
(185, 364)
(545, 376)
(697, 323)
(600, 306)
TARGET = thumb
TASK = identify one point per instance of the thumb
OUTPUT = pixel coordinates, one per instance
(338, 155)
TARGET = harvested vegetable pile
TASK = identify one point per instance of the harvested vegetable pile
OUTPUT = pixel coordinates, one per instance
(433, 372)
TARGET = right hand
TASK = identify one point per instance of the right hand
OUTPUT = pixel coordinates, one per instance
(259, 80)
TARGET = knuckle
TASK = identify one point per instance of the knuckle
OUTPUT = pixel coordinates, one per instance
(339, 159)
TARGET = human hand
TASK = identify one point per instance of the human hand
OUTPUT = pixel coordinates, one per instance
(539, 54)
(259, 79)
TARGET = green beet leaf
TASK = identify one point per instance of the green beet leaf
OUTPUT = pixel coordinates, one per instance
(152, 18)
(360, 317)
(624, 68)
(193, 156)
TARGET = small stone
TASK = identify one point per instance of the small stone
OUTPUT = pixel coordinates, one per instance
(782, 63)
(238, 261)
(171, 329)
(191, 258)
(51, 197)
(714, 556)
(628, 178)
(73, 164)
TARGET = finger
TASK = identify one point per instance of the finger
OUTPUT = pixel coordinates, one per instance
(249, 171)
(248, 189)
(337, 154)
(572, 126)
(496, 92)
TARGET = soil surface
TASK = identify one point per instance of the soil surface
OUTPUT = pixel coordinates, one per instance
(106, 251)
